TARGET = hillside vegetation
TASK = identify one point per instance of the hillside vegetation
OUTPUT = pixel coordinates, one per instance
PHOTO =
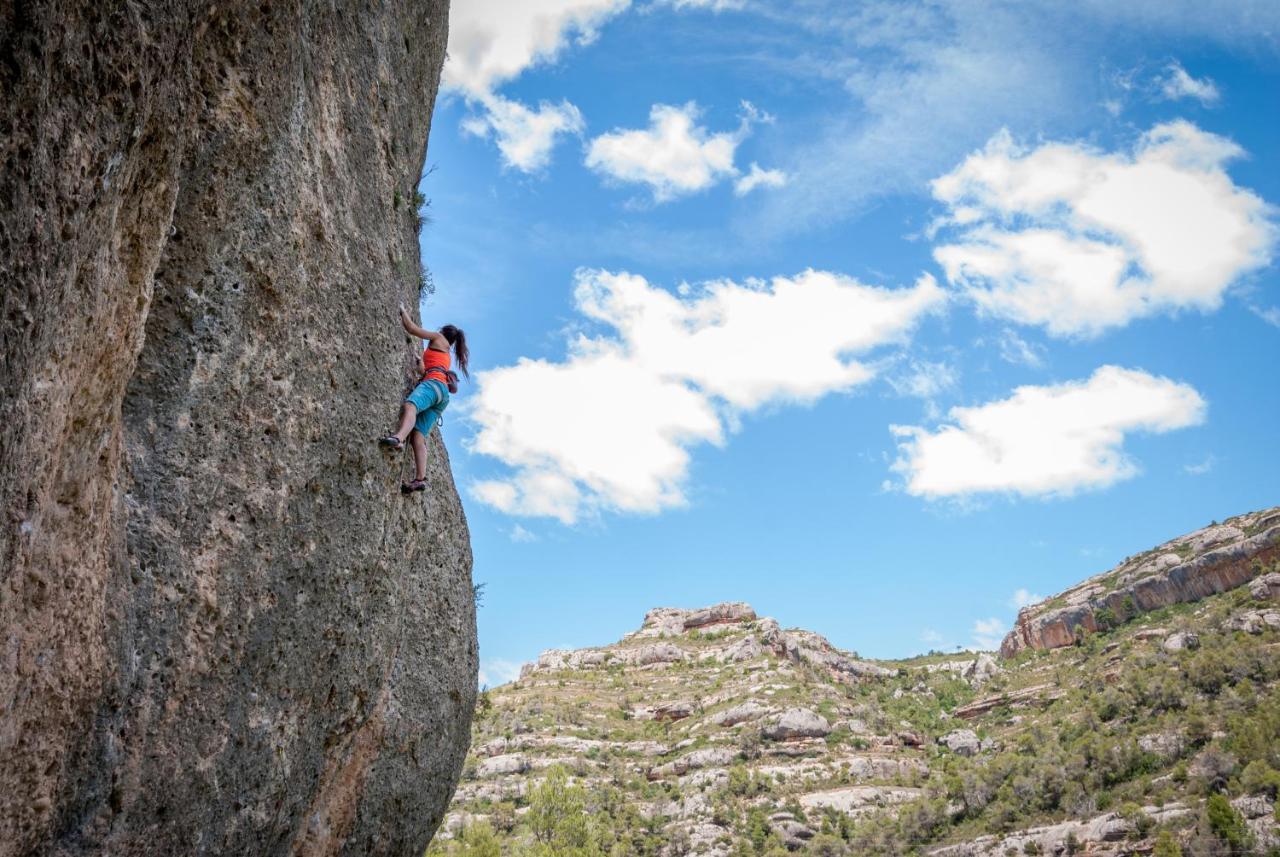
(716, 732)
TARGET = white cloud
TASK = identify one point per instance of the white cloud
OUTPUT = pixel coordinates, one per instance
(927, 84)
(1080, 241)
(1271, 315)
(525, 137)
(757, 177)
(522, 536)
(712, 5)
(611, 425)
(988, 633)
(1044, 441)
(494, 41)
(930, 636)
(1024, 598)
(1014, 349)
(1176, 84)
(1201, 468)
(924, 379)
(675, 155)
(496, 671)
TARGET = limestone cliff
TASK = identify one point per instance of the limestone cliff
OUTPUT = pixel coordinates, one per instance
(224, 630)
(1211, 560)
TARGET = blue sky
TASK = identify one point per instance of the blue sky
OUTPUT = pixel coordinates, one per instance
(874, 316)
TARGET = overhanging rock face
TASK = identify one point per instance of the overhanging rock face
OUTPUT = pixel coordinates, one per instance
(224, 630)
(1191, 567)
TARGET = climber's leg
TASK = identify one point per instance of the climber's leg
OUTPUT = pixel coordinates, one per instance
(419, 442)
(408, 415)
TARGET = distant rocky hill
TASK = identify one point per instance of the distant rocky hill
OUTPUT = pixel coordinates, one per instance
(1215, 559)
(717, 732)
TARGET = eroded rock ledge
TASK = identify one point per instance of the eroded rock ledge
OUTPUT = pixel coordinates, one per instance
(224, 631)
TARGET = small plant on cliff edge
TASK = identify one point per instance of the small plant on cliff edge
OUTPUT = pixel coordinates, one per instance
(420, 206)
(477, 591)
(426, 283)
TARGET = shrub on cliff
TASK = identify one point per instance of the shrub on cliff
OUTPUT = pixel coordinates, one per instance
(1166, 846)
(1226, 823)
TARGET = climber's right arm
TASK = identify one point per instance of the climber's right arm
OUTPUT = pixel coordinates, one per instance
(411, 328)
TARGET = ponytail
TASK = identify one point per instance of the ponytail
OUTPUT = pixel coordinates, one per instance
(458, 340)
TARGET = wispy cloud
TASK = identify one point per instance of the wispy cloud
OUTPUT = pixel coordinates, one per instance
(1014, 349)
(1044, 441)
(1200, 468)
(988, 633)
(757, 177)
(711, 5)
(522, 536)
(496, 671)
(924, 379)
(941, 81)
(1023, 598)
(1175, 83)
(1271, 315)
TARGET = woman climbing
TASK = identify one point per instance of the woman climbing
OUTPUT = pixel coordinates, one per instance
(423, 407)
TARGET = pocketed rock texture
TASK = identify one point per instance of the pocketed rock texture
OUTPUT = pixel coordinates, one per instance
(224, 630)
(1209, 561)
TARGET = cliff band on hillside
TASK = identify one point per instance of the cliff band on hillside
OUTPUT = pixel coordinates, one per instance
(1215, 559)
(224, 630)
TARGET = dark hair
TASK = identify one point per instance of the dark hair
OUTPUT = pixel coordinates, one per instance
(458, 340)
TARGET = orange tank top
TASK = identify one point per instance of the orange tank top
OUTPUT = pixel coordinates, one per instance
(434, 364)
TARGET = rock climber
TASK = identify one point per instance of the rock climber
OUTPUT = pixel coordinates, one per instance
(423, 407)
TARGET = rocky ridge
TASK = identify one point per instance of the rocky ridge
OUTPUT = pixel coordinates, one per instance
(717, 732)
(708, 683)
(1215, 559)
(223, 629)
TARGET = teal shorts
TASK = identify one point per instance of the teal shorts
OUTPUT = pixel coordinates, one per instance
(430, 398)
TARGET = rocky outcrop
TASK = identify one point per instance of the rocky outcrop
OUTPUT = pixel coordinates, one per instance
(674, 621)
(1207, 562)
(858, 800)
(708, 757)
(224, 630)
(1266, 588)
(814, 649)
(1180, 640)
(962, 741)
(1253, 621)
(1106, 835)
(797, 723)
(741, 713)
(1037, 695)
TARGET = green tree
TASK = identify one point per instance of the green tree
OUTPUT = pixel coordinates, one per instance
(1166, 846)
(478, 840)
(1258, 776)
(1225, 823)
(558, 817)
